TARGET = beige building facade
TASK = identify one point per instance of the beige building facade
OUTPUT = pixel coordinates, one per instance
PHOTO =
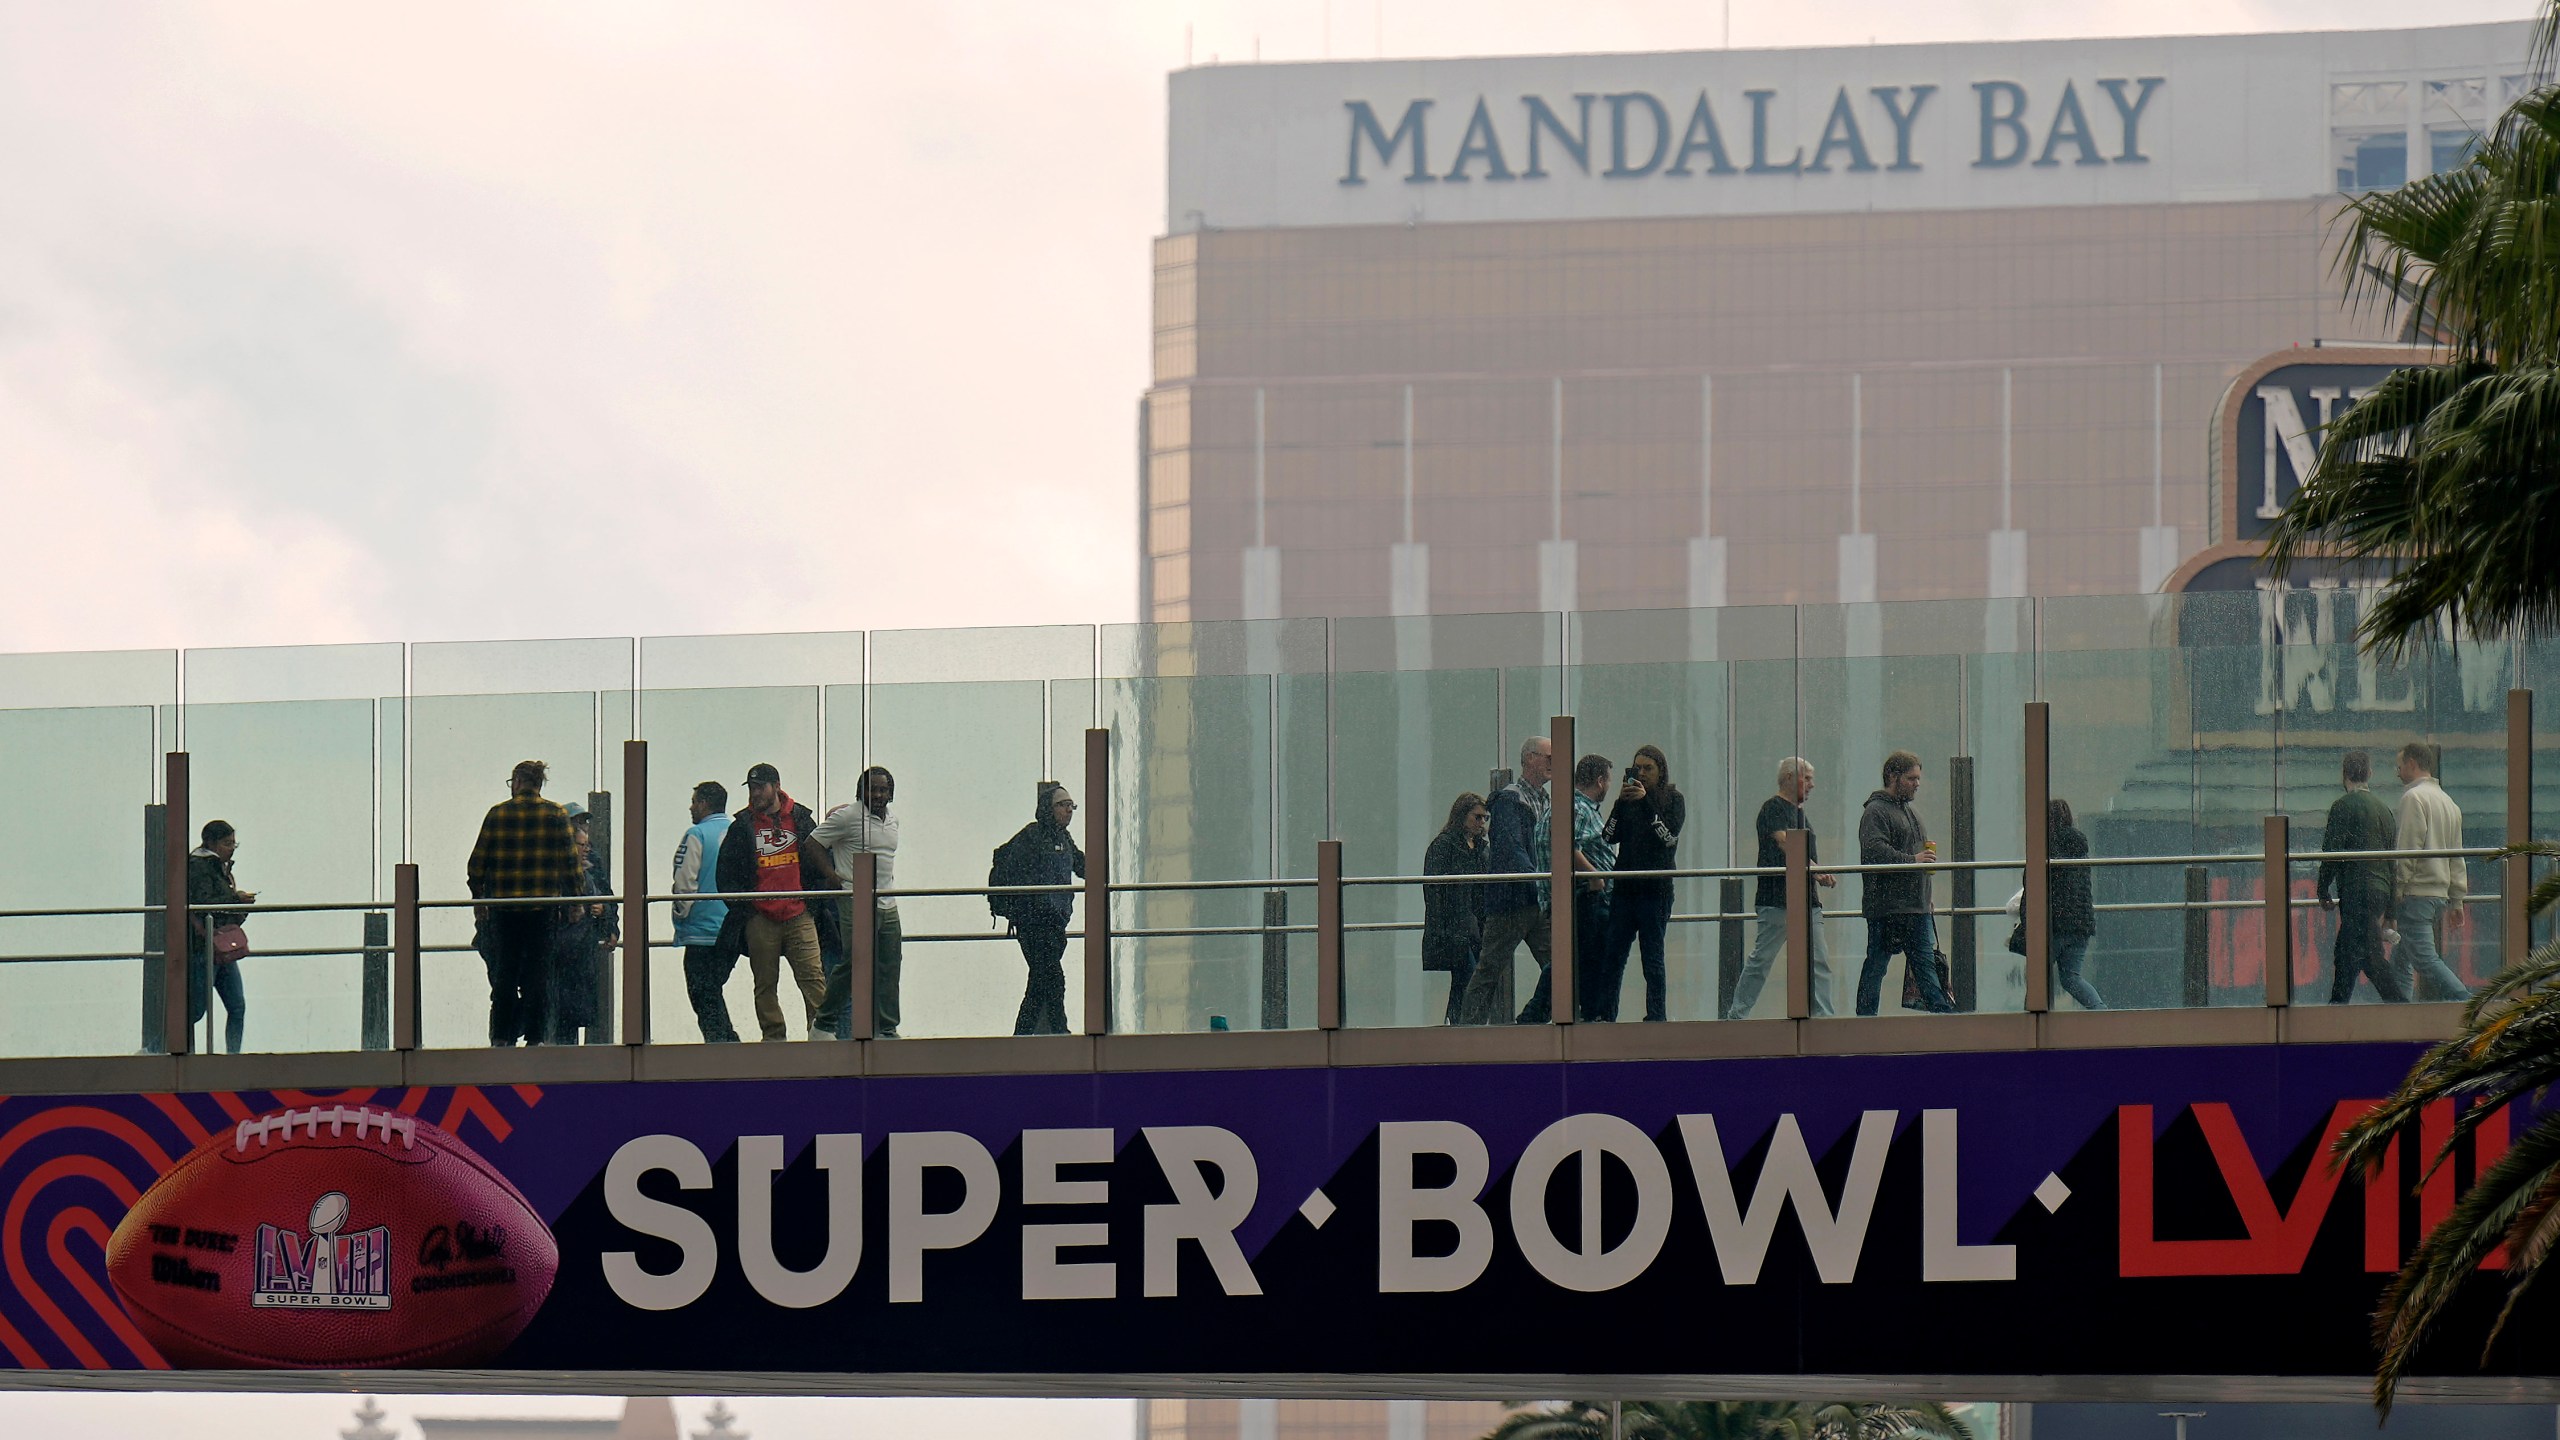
(1613, 332)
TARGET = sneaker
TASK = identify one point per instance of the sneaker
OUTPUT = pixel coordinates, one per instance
(821, 1033)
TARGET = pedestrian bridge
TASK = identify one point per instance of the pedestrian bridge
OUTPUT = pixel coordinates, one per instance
(1257, 1163)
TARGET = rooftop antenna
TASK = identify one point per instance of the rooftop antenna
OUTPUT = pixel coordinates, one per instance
(1728, 24)
(2182, 1417)
(1325, 45)
(1186, 47)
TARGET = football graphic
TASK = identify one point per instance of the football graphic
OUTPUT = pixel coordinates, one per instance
(330, 1237)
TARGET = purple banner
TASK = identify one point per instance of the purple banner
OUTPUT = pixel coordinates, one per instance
(2049, 1212)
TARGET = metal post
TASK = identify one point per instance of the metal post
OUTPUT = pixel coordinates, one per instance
(156, 838)
(635, 884)
(2279, 911)
(404, 956)
(374, 1024)
(1275, 958)
(1964, 960)
(2198, 956)
(1328, 934)
(2515, 927)
(1097, 881)
(174, 946)
(1730, 900)
(1795, 845)
(2037, 907)
(1561, 1003)
(862, 942)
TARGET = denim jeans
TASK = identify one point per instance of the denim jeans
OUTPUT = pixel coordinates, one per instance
(2428, 974)
(704, 977)
(1598, 982)
(1916, 937)
(1767, 944)
(2358, 951)
(224, 981)
(1635, 922)
(888, 952)
(2070, 952)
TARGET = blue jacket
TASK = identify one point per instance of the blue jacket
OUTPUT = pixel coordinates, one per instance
(1510, 845)
(697, 869)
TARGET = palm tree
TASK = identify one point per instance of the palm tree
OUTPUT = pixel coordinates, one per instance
(2450, 472)
(2509, 1049)
(1733, 1420)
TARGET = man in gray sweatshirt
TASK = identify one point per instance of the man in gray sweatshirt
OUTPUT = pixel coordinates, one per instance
(1896, 905)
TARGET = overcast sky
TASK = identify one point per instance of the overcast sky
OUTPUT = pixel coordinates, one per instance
(326, 322)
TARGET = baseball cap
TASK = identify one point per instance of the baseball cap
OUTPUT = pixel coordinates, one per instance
(762, 774)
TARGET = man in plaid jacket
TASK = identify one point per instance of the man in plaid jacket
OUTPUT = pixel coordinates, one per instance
(525, 850)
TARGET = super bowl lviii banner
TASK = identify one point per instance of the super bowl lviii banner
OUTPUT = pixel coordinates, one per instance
(2055, 1212)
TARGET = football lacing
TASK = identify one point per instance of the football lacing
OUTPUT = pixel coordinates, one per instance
(337, 1117)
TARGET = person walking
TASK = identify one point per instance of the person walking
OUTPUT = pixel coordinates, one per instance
(1453, 915)
(1043, 852)
(2071, 920)
(1779, 813)
(213, 958)
(1593, 858)
(524, 851)
(767, 849)
(2358, 892)
(2428, 886)
(1896, 906)
(698, 922)
(579, 944)
(1511, 910)
(869, 826)
(1645, 825)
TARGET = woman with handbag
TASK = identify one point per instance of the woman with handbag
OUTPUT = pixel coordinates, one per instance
(1453, 915)
(2072, 918)
(216, 940)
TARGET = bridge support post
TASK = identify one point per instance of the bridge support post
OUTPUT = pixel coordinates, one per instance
(1097, 881)
(2037, 905)
(2279, 911)
(176, 1026)
(862, 943)
(404, 956)
(1563, 964)
(1328, 934)
(2515, 925)
(634, 805)
(1793, 844)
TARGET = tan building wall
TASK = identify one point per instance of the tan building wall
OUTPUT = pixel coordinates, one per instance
(1630, 330)
(1316, 1419)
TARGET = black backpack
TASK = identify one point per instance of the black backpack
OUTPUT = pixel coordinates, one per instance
(1000, 872)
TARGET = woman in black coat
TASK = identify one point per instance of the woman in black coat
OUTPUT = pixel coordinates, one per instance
(2074, 920)
(1453, 915)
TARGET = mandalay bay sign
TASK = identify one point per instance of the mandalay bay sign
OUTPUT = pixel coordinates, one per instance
(1636, 135)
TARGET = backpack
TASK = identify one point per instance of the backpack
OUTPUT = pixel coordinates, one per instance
(999, 866)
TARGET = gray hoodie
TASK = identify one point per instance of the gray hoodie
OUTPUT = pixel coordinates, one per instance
(1890, 833)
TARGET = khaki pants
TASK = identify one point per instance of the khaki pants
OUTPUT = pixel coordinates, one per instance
(768, 941)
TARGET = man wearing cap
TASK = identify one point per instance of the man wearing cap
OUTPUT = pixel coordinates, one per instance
(768, 849)
(525, 850)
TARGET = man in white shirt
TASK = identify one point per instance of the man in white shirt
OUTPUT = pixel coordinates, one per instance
(866, 828)
(2427, 820)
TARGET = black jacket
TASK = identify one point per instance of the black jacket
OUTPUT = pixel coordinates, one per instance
(1452, 915)
(736, 870)
(1778, 813)
(1890, 833)
(1647, 834)
(2073, 915)
(1040, 853)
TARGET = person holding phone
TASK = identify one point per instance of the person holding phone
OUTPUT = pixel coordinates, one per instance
(1645, 825)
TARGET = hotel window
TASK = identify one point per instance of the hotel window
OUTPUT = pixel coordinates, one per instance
(2450, 147)
(2370, 160)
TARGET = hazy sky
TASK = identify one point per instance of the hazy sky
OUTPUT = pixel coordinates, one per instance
(325, 321)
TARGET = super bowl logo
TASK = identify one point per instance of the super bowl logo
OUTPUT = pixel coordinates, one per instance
(330, 1270)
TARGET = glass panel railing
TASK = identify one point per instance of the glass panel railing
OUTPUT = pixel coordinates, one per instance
(1218, 758)
(973, 721)
(294, 751)
(82, 735)
(477, 710)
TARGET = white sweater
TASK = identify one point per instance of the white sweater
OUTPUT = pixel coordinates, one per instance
(2429, 820)
(851, 830)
